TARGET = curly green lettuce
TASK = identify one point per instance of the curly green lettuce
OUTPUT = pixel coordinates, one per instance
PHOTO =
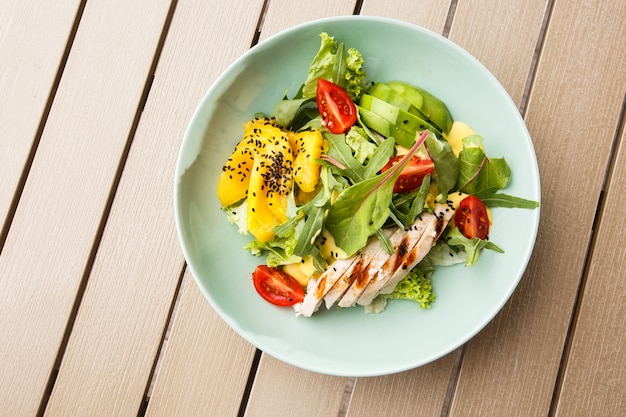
(416, 286)
(333, 64)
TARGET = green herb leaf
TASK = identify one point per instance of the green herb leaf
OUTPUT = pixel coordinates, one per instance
(471, 246)
(478, 174)
(341, 152)
(509, 201)
(362, 209)
(446, 164)
(407, 206)
(339, 68)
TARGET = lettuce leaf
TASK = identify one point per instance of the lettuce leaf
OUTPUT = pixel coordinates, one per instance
(358, 140)
(324, 65)
(416, 286)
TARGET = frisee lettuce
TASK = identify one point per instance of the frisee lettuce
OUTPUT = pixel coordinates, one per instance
(324, 65)
(416, 286)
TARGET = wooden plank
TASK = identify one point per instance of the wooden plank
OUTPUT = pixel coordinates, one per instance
(421, 391)
(293, 392)
(429, 14)
(205, 357)
(282, 14)
(132, 284)
(511, 367)
(595, 378)
(502, 35)
(49, 244)
(32, 45)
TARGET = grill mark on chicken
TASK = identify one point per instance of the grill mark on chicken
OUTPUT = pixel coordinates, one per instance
(321, 287)
(373, 271)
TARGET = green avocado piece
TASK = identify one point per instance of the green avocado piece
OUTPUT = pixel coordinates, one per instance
(432, 107)
(384, 92)
(395, 115)
(386, 128)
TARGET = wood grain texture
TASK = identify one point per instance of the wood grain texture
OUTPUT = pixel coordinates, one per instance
(511, 367)
(282, 14)
(124, 312)
(293, 392)
(419, 392)
(427, 13)
(33, 40)
(505, 48)
(49, 244)
(204, 356)
(595, 375)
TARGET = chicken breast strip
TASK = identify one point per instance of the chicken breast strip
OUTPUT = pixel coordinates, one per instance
(358, 270)
(419, 251)
(317, 288)
(418, 241)
(364, 276)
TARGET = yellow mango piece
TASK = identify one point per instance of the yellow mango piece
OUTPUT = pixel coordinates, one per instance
(308, 146)
(279, 176)
(260, 220)
(235, 176)
(271, 181)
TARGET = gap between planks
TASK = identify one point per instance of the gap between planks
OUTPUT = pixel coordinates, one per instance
(582, 283)
(184, 273)
(109, 202)
(4, 228)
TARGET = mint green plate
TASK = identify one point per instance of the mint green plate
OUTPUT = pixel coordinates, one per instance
(349, 342)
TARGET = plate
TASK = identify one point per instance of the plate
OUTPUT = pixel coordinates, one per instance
(349, 342)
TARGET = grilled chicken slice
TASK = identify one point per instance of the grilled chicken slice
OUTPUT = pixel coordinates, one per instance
(358, 271)
(317, 289)
(428, 227)
(364, 275)
(360, 278)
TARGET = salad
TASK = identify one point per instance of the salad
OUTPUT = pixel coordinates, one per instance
(356, 190)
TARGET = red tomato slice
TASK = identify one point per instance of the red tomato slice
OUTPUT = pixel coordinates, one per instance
(471, 218)
(277, 286)
(336, 107)
(412, 174)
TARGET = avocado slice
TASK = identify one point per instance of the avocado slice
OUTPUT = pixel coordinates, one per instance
(432, 107)
(384, 92)
(386, 128)
(395, 115)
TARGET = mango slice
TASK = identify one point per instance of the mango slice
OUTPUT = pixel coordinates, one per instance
(309, 146)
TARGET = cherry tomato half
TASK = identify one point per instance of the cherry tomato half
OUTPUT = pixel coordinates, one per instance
(412, 174)
(335, 105)
(277, 286)
(471, 218)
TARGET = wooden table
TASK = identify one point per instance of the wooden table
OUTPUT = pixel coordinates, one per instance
(98, 314)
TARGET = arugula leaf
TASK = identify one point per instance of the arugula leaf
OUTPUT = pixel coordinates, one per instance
(509, 201)
(341, 152)
(362, 209)
(339, 68)
(407, 206)
(446, 164)
(471, 246)
(478, 174)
